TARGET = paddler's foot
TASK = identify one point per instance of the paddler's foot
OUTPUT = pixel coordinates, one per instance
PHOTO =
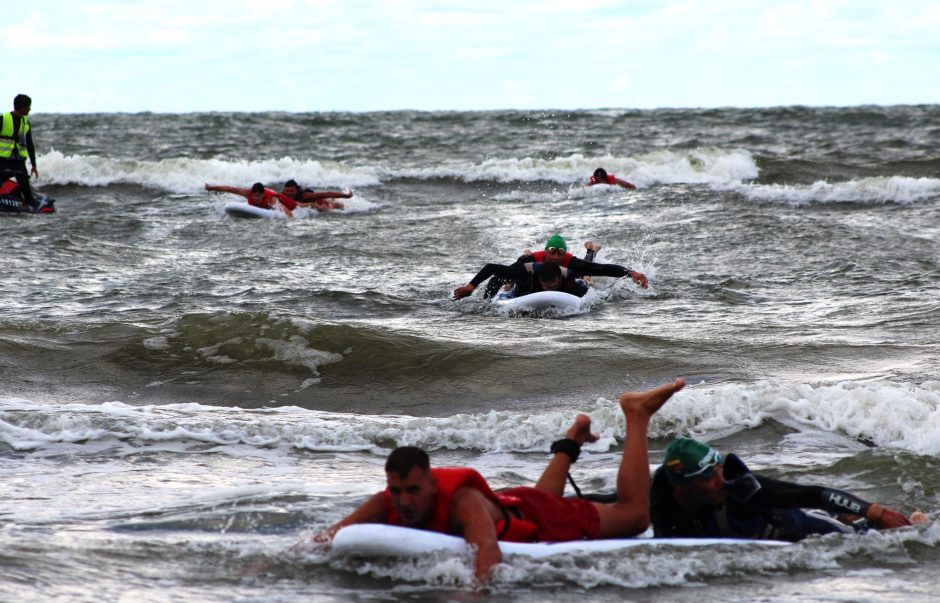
(590, 246)
(648, 402)
(580, 430)
(919, 517)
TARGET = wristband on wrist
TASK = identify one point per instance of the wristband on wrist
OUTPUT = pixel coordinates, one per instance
(569, 447)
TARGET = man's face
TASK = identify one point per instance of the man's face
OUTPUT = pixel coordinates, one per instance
(291, 190)
(702, 491)
(551, 285)
(413, 495)
(554, 255)
(257, 197)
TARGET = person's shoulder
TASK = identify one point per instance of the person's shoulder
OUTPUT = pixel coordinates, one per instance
(733, 466)
(660, 490)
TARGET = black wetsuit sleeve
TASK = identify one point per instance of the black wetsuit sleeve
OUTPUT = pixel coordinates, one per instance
(29, 145)
(776, 494)
(578, 267)
(513, 271)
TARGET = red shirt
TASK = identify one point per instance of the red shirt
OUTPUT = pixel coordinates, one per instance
(540, 257)
(269, 198)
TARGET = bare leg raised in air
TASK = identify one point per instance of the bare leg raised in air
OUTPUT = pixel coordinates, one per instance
(628, 516)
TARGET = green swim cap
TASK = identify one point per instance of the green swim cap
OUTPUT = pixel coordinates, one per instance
(557, 241)
(686, 458)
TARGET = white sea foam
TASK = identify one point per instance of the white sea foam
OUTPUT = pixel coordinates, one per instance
(904, 417)
(875, 190)
(662, 167)
(187, 176)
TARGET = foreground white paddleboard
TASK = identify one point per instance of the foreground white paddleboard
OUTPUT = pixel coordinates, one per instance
(378, 540)
(243, 210)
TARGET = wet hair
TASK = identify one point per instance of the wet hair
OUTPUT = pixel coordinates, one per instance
(21, 101)
(257, 187)
(549, 272)
(600, 175)
(405, 458)
(291, 182)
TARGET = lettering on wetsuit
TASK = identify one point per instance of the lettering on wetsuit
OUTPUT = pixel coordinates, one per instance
(845, 502)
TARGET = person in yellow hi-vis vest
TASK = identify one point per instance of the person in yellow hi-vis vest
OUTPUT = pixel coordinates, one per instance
(16, 145)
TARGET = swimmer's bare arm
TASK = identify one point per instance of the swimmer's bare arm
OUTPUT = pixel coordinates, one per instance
(472, 514)
(625, 184)
(371, 511)
(308, 196)
(228, 189)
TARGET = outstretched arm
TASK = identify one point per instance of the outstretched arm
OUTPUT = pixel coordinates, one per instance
(316, 196)
(469, 512)
(579, 267)
(625, 184)
(513, 271)
(371, 511)
(228, 189)
(776, 493)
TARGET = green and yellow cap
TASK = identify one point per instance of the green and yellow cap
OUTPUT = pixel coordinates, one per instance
(557, 241)
(686, 459)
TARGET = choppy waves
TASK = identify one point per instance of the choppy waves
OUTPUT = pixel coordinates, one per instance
(187, 176)
(867, 191)
(898, 417)
(725, 171)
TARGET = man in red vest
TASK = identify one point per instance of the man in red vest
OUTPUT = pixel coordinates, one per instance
(459, 501)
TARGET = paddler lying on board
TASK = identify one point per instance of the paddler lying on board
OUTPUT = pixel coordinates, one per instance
(458, 500)
(553, 269)
(496, 283)
(602, 177)
(318, 200)
(259, 196)
(698, 492)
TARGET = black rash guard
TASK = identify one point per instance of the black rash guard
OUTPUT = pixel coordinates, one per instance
(495, 283)
(520, 271)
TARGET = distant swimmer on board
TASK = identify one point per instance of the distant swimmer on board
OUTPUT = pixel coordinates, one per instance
(259, 196)
(458, 500)
(318, 200)
(554, 269)
(16, 146)
(602, 177)
(495, 283)
(698, 492)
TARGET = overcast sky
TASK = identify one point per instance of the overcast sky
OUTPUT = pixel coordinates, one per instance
(355, 55)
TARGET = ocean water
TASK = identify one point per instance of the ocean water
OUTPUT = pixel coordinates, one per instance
(185, 396)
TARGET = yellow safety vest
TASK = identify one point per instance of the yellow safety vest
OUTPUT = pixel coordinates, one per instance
(10, 145)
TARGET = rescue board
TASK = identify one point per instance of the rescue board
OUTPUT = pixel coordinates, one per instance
(543, 301)
(244, 210)
(379, 540)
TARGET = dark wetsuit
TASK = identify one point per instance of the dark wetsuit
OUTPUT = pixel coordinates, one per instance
(495, 283)
(527, 281)
(756, 507)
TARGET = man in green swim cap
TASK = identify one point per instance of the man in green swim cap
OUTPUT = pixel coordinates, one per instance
(700, 493)
(525, 271)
